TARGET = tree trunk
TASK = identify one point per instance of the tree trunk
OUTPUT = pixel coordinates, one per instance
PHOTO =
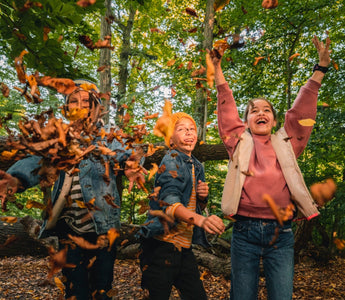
(124, 61)
(201, 93)
(105, 58)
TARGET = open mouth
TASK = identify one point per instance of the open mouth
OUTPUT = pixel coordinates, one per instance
(261, 121)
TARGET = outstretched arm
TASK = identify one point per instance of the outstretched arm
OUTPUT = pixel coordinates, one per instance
(211, 224)
(324, 57)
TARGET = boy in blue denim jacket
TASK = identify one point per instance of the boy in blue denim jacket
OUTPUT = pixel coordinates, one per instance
(69, 219)
(167, 258)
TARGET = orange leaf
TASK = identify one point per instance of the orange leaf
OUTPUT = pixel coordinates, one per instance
(173, 93)
(34, 204)
(269, 200)
(59, 285)
(173, 173)
(220, 4)
(171, 62)
(340, 244)
(8, 155)
(10, 220)
(335, 65)
(307, 122)
(293, 56)
(153, 170)
(82, 243)
(112, 235)
(257, 59)
(85, 3)
(323, 192)
(269, 4)
(210, 70)
(148, 117)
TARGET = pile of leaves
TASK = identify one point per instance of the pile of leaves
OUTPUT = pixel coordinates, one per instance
(25, 277)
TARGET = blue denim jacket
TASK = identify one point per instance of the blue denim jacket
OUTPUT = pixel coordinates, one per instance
(175, 189)
(92, 184)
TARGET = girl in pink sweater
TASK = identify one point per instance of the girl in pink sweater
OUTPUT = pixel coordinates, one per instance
(265, 163)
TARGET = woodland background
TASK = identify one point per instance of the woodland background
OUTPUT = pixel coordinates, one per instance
(157, 52)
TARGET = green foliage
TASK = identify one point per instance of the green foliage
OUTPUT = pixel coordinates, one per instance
(18, 208)
(23, 24)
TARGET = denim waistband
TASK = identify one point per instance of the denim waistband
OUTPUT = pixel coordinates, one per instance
(243, 218)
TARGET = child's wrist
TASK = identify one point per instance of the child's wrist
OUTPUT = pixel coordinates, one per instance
(199, 221)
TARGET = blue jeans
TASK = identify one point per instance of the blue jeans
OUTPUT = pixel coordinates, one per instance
(256, 239)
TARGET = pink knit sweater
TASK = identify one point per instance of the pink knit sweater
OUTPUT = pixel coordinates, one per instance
(267, 176)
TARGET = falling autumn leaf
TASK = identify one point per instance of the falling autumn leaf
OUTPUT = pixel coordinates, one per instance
(4, 89)
(173, 173)
(340, 244)
(269, 200)
(220, 4)
(210, 70)
(10, 220)
(82, 243)
(112, 235)
(171, 62)
(153, 171)
(335, 65)
(85, 3)
(307, 122)
(323, 192)
(293, 56)
(18, 63)
(191, 12)
(34, 204)
(10, 240)
(257, 59)
(269, 4)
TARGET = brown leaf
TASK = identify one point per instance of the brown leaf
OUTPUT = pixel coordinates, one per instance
(269, 4)
(269, 200)
(4, 90)
(191, 12)
(82, 243)
(323, 192)
(173, 173)
(85, 3)
(210, 71)
(220, 4)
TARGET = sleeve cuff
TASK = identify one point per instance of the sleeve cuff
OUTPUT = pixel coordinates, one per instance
(170, 211)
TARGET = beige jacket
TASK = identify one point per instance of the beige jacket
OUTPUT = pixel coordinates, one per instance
(235, 178)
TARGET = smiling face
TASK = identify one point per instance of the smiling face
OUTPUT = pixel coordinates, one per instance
(79, 100)
(260, 118)
(184, 136)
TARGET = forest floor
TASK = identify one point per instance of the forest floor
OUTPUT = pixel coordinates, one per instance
(25, 277)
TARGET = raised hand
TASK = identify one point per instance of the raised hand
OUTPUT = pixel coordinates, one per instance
(323, 51)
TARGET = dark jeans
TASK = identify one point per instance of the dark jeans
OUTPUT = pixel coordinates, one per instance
(163, 266)
(83, 280)
(256, 239)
